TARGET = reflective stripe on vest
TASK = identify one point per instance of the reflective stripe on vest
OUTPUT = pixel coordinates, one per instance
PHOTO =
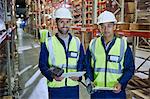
(57, 57)
(115, 71)
(43, 35)
(92, 49)
(114, 62)
(51, 52)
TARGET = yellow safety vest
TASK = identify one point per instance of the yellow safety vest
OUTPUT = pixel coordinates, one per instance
(57, 57)
(43, 35)
(107, 68)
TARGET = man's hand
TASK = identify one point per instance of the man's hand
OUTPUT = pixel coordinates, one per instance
(90, 88)
(74, 78)
(117, 88)
(58, 78)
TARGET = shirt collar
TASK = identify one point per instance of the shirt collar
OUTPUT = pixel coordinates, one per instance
(70, 36)
(110, 44)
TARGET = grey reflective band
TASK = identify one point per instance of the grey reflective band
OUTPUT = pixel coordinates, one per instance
(51, 52)
(115, 71)
(69, 66)
(78, 46)
(40, 34)
(93, 49)
(122, 46)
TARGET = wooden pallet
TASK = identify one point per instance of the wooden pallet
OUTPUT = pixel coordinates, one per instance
(143, 93)
(138, 83)
(7, 97)
(139, 88)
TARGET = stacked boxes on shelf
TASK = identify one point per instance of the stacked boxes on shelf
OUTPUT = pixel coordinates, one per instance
(129, 11)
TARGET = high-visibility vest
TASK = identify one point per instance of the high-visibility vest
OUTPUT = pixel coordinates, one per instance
(107, 68)
(43, 35)
(57, 57)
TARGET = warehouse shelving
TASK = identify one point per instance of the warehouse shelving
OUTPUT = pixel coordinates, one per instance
(5, 84)
(3, 62)
(6, 66)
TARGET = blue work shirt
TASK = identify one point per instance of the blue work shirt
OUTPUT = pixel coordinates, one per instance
(128, 64)
(44, 54)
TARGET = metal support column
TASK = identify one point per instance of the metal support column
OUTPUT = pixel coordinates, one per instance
(9, 68)
(135, 20)
(44, 4)
(14, 33)
(94, 20)
(5, 1)
(83, 20)
(39, 10)
(36, 19)
(122, 11)
(29, 14)
(134, 47)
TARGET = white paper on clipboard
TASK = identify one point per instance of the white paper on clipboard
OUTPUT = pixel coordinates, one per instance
(103, 88)
(75, 74)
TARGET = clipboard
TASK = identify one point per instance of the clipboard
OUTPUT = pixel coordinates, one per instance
(103, 88)
(75, 74)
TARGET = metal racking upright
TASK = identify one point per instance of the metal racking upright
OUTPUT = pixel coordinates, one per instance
(6, 61)
(7, 57)
(93, 9)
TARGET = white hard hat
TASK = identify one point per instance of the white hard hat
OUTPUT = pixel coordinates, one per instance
(63, 13)
(105, 17)
(2, 25)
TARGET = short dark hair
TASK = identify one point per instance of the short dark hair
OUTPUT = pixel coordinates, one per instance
(57, 19)
(110, 22)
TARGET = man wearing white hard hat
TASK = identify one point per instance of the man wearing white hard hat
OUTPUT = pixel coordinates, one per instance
(109, 62)
(65, 51)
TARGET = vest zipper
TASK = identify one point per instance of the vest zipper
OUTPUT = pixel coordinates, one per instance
(67, 62)
(106, 71)
(66, 69)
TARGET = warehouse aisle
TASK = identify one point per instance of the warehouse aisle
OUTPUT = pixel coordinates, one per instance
(30, 76)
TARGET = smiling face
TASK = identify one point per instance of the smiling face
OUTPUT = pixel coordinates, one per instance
(107, 29)
(63, 25)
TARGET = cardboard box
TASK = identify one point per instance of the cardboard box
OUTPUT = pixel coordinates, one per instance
(139, 26)
(129, 7)
(7, 97)
(133, 26)
(122, 26)
(129, 18)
